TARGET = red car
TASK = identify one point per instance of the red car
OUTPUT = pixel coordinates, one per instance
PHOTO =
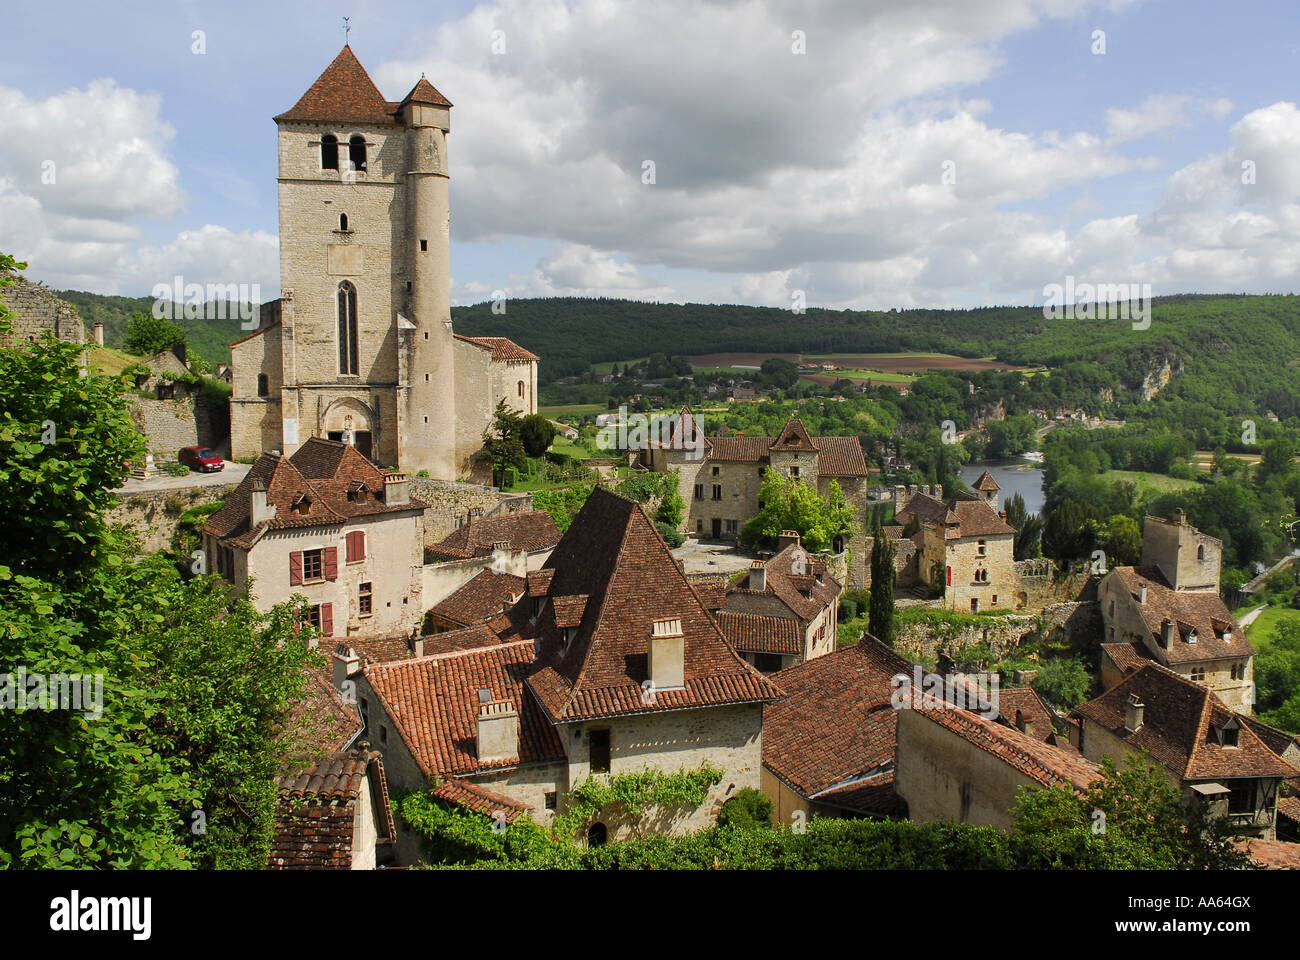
(201, 459)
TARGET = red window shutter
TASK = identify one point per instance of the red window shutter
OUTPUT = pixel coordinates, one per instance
(356, 543)
(350, 541)
(361, 544)
(331, 563)
(948, 575)
(327, 619)
(295, 568)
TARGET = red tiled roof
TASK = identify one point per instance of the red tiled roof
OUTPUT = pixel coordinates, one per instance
(531, 531)
(975, 518)
(840, 457)
(1271, 854)
(481, 598)
(613, 553)
(315, 817)
(433, 702)
(794, 438)
(502, 349)
(838, 723)
(1178, 723)
(324, 723)
(1025, 702)
(753, 633)
(871, 797)
(792, 589)
(740, 449)
(924, 506)
(322, 471)
(344, 92)
(424, 92)
(986, 482)
(464, 793)
(1205, 613)
(1127, 657)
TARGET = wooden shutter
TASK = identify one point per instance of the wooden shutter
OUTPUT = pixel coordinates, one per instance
(331, 563)
(295, 568)
(356, 544)
(327, 619)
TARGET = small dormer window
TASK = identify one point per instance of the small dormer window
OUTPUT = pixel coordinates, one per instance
(1230, 736)
(302, 505)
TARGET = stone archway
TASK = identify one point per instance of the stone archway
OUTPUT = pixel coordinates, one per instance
(352, 421)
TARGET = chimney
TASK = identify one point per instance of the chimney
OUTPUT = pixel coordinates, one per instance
(938, 491)
(666, 662)
(498, 729)
(99, 334)
(396, 489)
(221, 369)
(262, 508)
(1179, 516)
(757, 576)
(416, 644)
(1166, 634)
(787, 538)
(1026, 725)
(1133, 712)
(1142, 593)
(346, 664)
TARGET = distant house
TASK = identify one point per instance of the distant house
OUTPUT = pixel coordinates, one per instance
(784, 610)
(334, 815)
(485, 596)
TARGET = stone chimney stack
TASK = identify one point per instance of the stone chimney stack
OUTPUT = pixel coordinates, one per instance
(99, 334)
(1180, 517)
(262, 509)
(1167, 634)
(1142, 593)
(666, 662)
(1133, 713)
(498, 729)
(397, 489)
(787, 538)
(757, 576)
(346, 665)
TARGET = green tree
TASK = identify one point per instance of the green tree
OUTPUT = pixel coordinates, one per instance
(1063, 682)
(790, 504)
(147, 334)
(749, 809)
(502, 447)
(1068, 533)
(1121, 540)
(671, 503)
(536, 433)
(880, 615)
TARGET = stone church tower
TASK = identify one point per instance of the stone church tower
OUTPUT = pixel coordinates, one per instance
(360, 347)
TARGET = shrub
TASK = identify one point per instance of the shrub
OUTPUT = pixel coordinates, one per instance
(175, 469)
(848, 609)
(672, 536)
(749, 809)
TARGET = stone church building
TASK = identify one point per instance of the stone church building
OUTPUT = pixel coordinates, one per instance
(359, 347)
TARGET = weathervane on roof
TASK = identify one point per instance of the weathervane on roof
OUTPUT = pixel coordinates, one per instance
(346, 28)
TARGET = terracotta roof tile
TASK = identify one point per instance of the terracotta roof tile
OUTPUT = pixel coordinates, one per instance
(1202, 613)
(501, 348)
(532, 530)
(315, 816)
(424, 92)
(1127, 657)
(1271, 854)
(1027, 704)
(986, 483)
(471, 796)
(344, 92)
(1178, 728)
(752, 633)
(481, 598)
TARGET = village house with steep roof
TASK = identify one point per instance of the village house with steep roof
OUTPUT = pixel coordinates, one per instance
(1168, 610)
(1210, 752)
(963, 549)
(720, 478)
(328, 524)
(783, 610)
(359, 346)
(610, 663)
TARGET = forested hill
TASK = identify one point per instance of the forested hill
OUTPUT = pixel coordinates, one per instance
(1248, 346)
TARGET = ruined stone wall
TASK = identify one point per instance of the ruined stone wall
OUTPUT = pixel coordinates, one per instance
(168, 425)
(153, 515)
(39, 311)
(450, 502)
(1002, 635)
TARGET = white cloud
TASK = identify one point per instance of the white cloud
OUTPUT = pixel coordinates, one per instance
(1163, 111)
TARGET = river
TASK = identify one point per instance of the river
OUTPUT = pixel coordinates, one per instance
(1016, 475)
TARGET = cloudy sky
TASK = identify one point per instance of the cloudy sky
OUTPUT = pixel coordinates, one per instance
(871, 153)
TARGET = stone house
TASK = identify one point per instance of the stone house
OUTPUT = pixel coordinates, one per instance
(38, 311)
(955, 764)
(609, 664)
(334, 815)
(481, 598)
(784, 610)
(168, 411)
(359, 346)
(721, 488)
(533, 531)
(1206, 749)
(1168, 610)
(328, 524)
(829, 748)
(964, 549)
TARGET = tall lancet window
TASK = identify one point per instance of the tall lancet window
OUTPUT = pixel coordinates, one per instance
(348, 328)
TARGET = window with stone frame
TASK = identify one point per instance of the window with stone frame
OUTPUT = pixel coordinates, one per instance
(1198, 673)
(365, 599)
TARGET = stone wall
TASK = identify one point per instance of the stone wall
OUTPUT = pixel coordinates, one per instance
(168, 425)
(1002, 635)
(154, 515)
(449, 504)
(39, 311)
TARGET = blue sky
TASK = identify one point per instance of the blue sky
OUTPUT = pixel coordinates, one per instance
(776, 172)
